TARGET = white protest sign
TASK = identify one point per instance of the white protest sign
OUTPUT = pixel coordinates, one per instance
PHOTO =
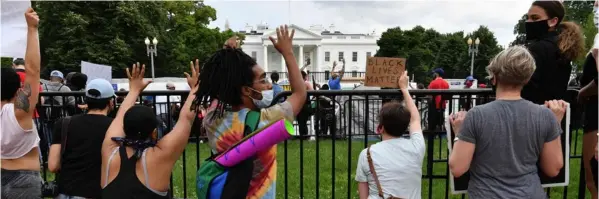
(13, 28)
(95, 71)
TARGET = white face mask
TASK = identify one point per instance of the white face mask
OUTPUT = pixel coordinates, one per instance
(267, 96)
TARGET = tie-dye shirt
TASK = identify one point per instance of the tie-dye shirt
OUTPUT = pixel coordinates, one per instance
(225, 131)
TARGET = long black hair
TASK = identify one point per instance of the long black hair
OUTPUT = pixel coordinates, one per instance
(222, 77)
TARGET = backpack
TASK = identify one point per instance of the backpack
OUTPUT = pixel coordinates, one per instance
(215, 181)
(54, 109)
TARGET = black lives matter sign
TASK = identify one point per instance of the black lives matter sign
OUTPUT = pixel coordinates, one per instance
(384, 71)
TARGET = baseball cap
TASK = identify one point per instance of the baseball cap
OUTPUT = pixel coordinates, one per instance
(439, 71)
(99, 89)
(469, 78)
(56, 73)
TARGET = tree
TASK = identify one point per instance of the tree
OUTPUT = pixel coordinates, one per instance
(426, 49)
(113, 33)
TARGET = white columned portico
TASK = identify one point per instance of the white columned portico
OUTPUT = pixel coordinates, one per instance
(265, 57)
(301, 56)
(283, 67)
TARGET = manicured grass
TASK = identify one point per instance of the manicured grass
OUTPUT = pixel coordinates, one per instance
(332, 163)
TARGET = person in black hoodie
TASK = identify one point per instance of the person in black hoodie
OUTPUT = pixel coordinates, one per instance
(554, 44)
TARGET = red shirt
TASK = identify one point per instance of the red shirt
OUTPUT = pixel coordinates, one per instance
(21, 74)
(439, 83)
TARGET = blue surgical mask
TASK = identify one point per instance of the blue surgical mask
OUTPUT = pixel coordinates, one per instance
(267, 96)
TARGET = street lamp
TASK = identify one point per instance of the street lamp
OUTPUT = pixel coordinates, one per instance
(151, 50)
(472, 50)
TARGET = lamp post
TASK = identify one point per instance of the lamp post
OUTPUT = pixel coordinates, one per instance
(472, 50)
(151, 49)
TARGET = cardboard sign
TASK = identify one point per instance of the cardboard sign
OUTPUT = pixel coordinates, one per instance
(384, 71)
(95, 71)
(460, 185)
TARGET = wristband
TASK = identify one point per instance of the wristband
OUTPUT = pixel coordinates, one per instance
(456, 139)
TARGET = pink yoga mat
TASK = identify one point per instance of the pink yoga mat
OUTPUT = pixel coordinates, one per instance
(257, 141)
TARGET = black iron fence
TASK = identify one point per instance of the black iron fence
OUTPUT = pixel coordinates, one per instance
(322, 76)
(336, 126)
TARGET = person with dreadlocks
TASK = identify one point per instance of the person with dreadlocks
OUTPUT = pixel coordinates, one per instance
(132, 136)
(238, 85)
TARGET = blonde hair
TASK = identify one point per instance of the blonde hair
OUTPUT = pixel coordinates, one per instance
(513, 66)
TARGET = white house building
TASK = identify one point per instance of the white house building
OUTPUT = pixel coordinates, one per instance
(315, 47)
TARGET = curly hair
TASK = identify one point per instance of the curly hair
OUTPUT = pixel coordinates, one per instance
(571, 40)
(223, 75)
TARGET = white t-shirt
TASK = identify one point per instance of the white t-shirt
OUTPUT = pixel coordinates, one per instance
(398, 164)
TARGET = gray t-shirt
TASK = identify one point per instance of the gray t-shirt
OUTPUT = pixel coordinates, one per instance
(509, 137)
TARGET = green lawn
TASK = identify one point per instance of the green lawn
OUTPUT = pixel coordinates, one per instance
(337, 166)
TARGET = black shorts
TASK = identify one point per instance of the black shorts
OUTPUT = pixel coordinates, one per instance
(590, 117)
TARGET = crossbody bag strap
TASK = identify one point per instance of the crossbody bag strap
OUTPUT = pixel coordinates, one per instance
(376, 178)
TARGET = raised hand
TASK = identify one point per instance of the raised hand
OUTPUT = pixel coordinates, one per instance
(136, 78)
(284, 40)
(456, 121)
(558, 107)
(403, 80)
(193, 79)
(31, 18)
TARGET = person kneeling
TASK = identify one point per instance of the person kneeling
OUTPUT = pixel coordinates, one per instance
(393, 168)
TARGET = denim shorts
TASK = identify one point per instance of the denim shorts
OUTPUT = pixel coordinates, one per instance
(21, 184)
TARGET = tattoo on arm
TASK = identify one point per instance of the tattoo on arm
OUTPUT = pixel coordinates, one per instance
(22, 101)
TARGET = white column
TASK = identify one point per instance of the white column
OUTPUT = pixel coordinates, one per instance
(265, 57)
(319, 60)
(301, 56)
(312, 61)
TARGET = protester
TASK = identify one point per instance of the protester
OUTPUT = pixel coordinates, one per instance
(500, 142)
(276, 88)
(132, 137)
(326, 114)
(588, 97)
(393, 167)
(20, 162)
(56, 85)
(246, 88)
(304, 115)
(79, 160)
(469, 82)
(335, 80)
(437, 112)
(553, 44)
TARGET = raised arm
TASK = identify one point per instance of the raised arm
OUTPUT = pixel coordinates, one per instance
(175, 141)
(414, 114)
(136, 86)
(342, 72)
(304, 67)
(27, 96)
(298, 88)
(333, 69)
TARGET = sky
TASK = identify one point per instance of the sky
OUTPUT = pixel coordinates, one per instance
(367, 16)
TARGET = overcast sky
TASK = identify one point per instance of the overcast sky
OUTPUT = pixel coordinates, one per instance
(366, 16)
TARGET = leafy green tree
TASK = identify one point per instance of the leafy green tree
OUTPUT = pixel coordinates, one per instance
(113, 33)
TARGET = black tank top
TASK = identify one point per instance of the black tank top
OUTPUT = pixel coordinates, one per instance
(126, 185)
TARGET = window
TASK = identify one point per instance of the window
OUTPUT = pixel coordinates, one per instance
(354, 73)
(327, 56)
(354, 56)
(368, 54)
(340, 56)
(254, 55)
(340, 37)
(355, 37)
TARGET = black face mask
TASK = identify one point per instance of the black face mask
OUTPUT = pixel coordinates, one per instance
(536, 29)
